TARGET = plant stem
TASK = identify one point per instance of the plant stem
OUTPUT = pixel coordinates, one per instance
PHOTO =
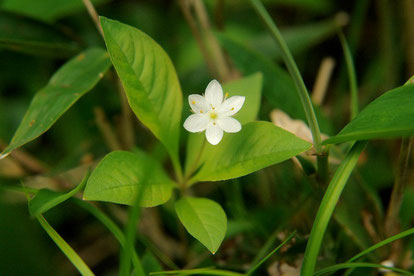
(216, 51)
(327, 207)
(185, 8)
(392, 219)
(253, 269)
(187, 180)
(351, 74)
(294, 72)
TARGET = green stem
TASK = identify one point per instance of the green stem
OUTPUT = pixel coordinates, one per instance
(65, 247)
(294, 72)
(177, 167)
(323, 168)
(357, 265)
(327, 207)
(112, 227)
(351, 74)
(253, 269)
(382, 243)
(188, 181)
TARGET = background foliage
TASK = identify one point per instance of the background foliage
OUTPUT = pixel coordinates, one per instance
(263, 208)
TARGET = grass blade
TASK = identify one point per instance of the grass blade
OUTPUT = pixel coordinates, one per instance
(382, 243)
(253, 269)
(65, 247)
(294, 72)
(357, 265)
(327, 207)
(351, 74)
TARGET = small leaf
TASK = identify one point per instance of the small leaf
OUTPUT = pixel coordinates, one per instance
(251, 88)
(68, 84)
(31, 37)
(390, 115)
(256, 146)
(117, 178)
(46, 199)
(204, 219)
(149, 79)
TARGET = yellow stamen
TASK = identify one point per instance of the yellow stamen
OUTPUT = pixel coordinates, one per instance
(201, 111)
(193, 102)
(213, 115)
(232, 108)
(226, 95)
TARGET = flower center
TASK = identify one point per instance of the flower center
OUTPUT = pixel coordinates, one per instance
(213, 115)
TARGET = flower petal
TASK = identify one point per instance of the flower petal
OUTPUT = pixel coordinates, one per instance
(198, 104)
(214, 94)
(231, 106)
(229, 124)
(196, 123)
(214, 134)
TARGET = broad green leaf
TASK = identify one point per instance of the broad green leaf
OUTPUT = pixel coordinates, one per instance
(149, 78)
(117, 178)
(31, 37)
(256, 146)
(390, 115)
(67, 85)
(46, 199)
(45, 10)
(251, 88)
(204, 219)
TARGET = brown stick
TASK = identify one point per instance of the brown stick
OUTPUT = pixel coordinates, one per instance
(93, 14)
(106, 129)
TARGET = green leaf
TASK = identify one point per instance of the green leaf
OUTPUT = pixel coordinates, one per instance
(256, 146)
(45, 10)
(149, 78)
(31, 37)
(390, 115)
(68, 84)
(204, 219)
(117, 178)
(251, 88)
(46, 199)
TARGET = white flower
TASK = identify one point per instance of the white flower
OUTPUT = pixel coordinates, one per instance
(212, 114)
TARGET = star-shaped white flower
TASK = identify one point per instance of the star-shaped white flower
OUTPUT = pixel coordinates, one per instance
(212, 114)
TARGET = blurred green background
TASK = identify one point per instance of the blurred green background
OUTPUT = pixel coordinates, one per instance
(37, 37)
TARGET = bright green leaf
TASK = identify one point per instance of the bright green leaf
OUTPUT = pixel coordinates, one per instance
(256, 146)
(118, 178)
(251, 88)
(68, 84)
(31, 37)
(149, 78)
(204, 219)
(390, 115)
(45, 10)
(46, 199)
